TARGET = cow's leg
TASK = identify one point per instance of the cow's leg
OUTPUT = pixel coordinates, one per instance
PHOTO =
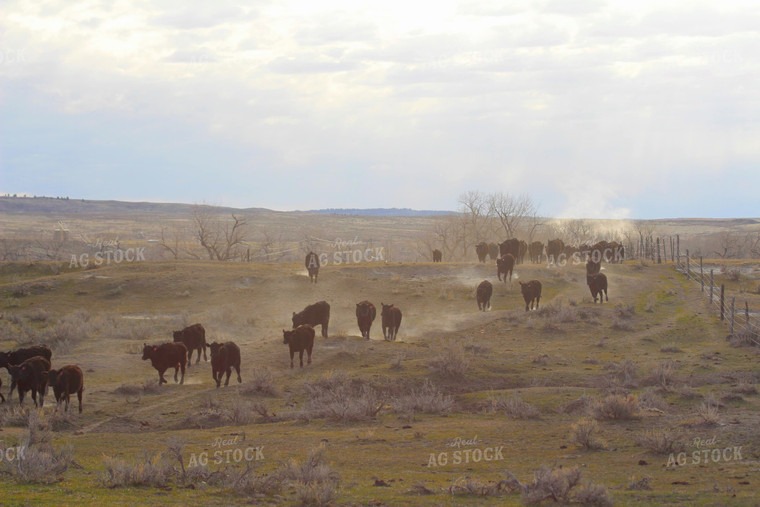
(66, 399)
(182, 370)
(237, 369)
(605, 295)
(21, 394)
(324, 330)
(79, 395)
(161, 379)
(291, 358)
(300, 357)
(538, 298)
(198, 359)
(13, 386)
(203, 348)
(308, 351)
(34, 396)
(229, 372)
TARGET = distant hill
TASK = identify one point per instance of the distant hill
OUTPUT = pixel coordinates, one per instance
(382, 212)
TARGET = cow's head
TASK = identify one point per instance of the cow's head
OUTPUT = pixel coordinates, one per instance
(52, 376)
(177, 335)
(216, 348)
(20, 372)
(297, 320)
(386, 308)
(149, 351)
(5, 357)
(287, 336)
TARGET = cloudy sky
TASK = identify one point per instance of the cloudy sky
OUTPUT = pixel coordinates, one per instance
(596, 108)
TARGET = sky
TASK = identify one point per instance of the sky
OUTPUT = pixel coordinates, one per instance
(594, 108)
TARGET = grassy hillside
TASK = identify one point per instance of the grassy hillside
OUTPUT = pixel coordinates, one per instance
(386, 418)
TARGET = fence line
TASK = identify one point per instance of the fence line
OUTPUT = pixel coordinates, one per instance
(749, 330)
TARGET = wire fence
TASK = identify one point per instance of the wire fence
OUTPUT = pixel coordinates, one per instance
(742, 319)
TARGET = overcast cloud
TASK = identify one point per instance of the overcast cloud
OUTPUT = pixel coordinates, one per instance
(596, 108)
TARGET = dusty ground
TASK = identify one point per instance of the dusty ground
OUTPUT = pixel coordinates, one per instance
(100, 318)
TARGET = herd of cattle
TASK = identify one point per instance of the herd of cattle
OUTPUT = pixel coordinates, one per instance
(531, 290)
(30, 368)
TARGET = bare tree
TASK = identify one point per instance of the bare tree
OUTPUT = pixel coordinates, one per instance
(578, 231)
(511, 211)
(221, 240)
(475, 209)
(171, 240)
(729, 246)
(14, 248)
(753, 244)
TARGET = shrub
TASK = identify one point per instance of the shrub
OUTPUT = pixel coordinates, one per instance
(338, 398)
(427, 399)
(150, 471)
(616, 407)
(619, 324)
(660, 441)
(708, 412)
(650, 400)
(662, 375)
(450, 363)
(625, 311)
(625, 372)
(314, 469)
(583, 434)
(671, 348)
(514, 407)
(581, 405)
(551, 484)
(594, 494)
(262, 384)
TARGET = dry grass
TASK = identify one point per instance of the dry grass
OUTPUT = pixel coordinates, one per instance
(338, 398)
(261, 384)
(708, 413)
(450, 363)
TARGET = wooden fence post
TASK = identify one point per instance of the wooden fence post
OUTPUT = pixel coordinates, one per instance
(722, 301)
(746, 313)
(701, 274)
(731, 327)
(678, 249)
(659, 259)
(688, 268)
(711, 286)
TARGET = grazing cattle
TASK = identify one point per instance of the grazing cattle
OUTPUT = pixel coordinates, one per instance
(224, 357)
(437, 255)
(314, 315)
(365, 315)
(165, 356)
(299, 339)
(18, 356)
(312, 266)
(531, 291)
(504, 265)
(554, 249)
(194, 338)
(592, 267)
(391, 321)
(597, 284)
(30, 375)
(600, 252)
(536, 251)
(482, 250)
(521, 251)
(485, 289)
(493, 251)
(510, 246)
(568, 251)
(65, 382)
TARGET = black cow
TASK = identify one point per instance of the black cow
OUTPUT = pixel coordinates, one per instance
(312, 265)
(224, 357)
(505, 265)
(299, 339)
(437, 255)
(510, 246)
(531, 291)
(194, 338)
(482, 250)
(391, 321)
(65, 382)
(30, 375)
(597, 284)
(536, 252)
(521, 251)
(365, 315)
(18, 356)
(165, 356)
(554, 248)
(485, 289)
(493, 251)
(592, 267)
(314, 315)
